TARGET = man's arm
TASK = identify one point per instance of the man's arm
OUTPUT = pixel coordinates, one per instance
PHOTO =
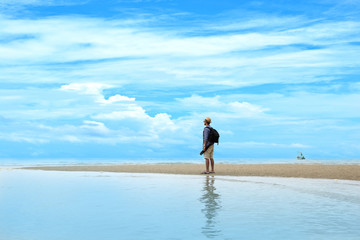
(205, 137)
(204, 145)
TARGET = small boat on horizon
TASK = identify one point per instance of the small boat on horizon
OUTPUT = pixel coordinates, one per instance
(301, 157)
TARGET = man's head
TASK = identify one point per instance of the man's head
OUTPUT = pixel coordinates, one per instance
(207, 121)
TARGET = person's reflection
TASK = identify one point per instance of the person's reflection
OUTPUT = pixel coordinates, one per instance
(211, 201)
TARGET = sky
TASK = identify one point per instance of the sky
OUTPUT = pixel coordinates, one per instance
(134, 79)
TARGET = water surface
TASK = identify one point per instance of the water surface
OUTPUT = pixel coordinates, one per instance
(43, 205)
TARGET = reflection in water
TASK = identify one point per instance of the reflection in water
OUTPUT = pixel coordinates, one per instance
(211, 201)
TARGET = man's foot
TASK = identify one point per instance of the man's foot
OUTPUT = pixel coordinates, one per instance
(205, 172)
(212, 172)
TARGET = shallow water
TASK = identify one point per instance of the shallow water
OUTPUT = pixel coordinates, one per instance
(40, 205)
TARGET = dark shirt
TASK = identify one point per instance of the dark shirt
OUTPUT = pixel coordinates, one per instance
(206, 134)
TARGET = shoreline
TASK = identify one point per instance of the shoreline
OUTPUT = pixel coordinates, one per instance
(320, 171)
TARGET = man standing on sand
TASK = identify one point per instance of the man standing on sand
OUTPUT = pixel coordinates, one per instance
(208, 147)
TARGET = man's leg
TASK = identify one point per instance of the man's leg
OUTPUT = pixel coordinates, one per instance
(212, 165)
(211, 153)
(207, 164)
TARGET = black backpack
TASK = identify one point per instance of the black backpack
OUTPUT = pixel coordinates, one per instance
(214, 135)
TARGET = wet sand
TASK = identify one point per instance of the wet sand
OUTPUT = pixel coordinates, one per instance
(348, 172)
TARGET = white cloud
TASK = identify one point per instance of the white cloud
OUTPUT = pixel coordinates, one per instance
(154, 131)
(263, 145)
(37, 2)
(90, 38)
(259, 22)
(96, 89)
(218, 106)
(159, 123)
(70, 138)
(133, 112)
(118, 119)
(196, 102)
(312, 105)
(87, 39)
(24, 136)
(97, 127)
(246, 108)
(9, 6)
(86, 88)
(162, 122)
(244, 121)
(169, 58)
(117, 98)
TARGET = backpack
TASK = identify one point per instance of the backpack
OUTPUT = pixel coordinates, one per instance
(214, 135)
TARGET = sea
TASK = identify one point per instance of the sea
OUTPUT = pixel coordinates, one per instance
(69, 161)
(54, 205)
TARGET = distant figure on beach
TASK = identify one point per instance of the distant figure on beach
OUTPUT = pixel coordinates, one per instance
(208, 147)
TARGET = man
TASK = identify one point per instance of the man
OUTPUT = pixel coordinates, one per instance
(208, 147)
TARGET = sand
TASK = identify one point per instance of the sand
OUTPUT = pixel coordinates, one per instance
(348, 172)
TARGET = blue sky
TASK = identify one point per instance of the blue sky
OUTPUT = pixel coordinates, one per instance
(134, 79)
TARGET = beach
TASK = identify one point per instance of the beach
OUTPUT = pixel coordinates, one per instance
(319, 171)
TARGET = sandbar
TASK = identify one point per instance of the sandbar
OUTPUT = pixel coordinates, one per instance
(322, 171)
